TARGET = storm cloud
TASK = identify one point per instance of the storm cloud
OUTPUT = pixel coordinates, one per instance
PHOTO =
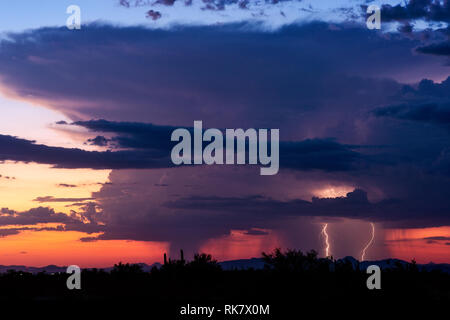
(365, 119)
(165, 76)
(430, 10)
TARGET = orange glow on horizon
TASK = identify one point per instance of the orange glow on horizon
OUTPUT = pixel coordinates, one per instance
(42, 248)
(408, 244)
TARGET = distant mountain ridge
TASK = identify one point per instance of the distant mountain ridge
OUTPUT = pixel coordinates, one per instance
(258, 263)
(393, 263)
(56, 269)
(254, 263)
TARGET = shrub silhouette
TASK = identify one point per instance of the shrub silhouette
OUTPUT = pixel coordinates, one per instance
(127, 268)
(204, 262)
(295, 261)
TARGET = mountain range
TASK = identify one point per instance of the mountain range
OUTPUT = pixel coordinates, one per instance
(255, 263)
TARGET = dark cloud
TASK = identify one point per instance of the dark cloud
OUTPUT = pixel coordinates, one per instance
(355, 205)
(406, 28)
(166, 74)
(89, 239)
(323, 154)
(320, 154)
(439, 49)
(310, 154)
(14, 231)
(8, 232)
(86, 220)
(154, 15)
(81, 204)
(7, 211)
(53, 199)
(41, 215)
(429, 89)
(439, 238)
(16, 149)
(132, 135)
(166, 2)
(432, 113)
(66, 185)
(430, 10)
(428, 103)
(100, 141)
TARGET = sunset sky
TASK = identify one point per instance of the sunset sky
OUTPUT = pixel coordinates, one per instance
(86, 118)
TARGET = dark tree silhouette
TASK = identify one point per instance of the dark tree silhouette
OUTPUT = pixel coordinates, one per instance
(295, 260)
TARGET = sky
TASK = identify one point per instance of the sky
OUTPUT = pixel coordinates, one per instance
(86, 118)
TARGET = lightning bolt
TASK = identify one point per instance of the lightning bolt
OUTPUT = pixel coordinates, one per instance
(369, 243)
(327, 244)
